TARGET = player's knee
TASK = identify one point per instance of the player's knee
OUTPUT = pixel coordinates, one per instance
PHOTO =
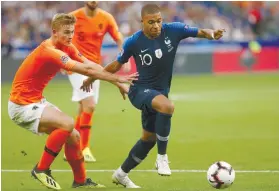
(167, 107)
(74, 138)
(68, 125)
(88, 105)
(88, 108)
(149, 137)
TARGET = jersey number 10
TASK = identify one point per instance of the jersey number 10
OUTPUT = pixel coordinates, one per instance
(146, 59)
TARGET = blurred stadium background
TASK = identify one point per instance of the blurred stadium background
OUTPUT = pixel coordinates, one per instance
(232, 117)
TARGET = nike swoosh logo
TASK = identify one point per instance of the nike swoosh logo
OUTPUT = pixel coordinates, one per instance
(144, 50)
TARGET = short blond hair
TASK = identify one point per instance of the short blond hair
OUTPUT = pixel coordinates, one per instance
(61, 19)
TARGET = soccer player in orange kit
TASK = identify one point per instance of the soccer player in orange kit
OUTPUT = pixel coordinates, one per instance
(91, 26)
(29, 109)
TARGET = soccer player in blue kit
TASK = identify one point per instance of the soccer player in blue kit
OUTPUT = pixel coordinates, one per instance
(153, 48)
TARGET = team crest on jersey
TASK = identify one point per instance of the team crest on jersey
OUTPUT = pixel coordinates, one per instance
(158, 53)
(64, 59)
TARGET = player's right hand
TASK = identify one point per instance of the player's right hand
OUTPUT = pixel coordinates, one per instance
(87, 85)
(128, 78)
(218, 33)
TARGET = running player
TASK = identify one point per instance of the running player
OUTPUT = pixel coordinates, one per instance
(153, 48)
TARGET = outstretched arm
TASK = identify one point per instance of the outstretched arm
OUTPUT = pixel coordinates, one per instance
(211, 34)
(95, 71)
(109, 69)
(183, 31)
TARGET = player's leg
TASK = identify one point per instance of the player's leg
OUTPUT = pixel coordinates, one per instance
(59, 126)
(153, 100)
(136, 155)
(165, 109)
(76, 125)
(86, 118)
(87, 102)
(139, 152)
(76, 160)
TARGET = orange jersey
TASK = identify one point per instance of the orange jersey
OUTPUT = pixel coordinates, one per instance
(90, 32)
(38, 68)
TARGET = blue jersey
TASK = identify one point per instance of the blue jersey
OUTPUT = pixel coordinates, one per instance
(154, 58)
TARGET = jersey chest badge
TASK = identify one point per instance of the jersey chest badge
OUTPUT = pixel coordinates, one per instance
(158, 53)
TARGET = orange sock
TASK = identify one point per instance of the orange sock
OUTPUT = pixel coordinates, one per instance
(77, 122)
(85, 128)
(76, 161)
(54, 144)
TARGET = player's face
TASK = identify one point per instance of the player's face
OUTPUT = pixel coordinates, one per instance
(92, 5)
(65, 34)
(152, 24)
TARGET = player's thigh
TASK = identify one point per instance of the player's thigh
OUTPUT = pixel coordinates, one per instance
(162, 104)
(54, 118)
(28, 116)
(148, 120)
(142, 98)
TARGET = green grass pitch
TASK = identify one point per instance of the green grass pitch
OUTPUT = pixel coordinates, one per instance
(234, 118)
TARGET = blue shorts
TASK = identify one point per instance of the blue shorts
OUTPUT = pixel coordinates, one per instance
(141, 98)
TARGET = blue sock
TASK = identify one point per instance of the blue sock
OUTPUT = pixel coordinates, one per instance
(137, 154)
(162, 129)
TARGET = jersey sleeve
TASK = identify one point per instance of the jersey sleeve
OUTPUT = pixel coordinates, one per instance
(59, 58)
(126, 52)
(75, 54)
(113, 28)
(184, 31)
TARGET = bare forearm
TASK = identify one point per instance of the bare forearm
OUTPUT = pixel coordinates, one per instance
(94, 71)
(107, 72)
(113, 67)
(99, 68)
(206, 33)
(94, 74)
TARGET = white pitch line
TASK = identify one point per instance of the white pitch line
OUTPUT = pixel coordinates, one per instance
(176, 171)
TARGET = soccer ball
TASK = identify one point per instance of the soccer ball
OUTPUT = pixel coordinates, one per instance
(220, 175)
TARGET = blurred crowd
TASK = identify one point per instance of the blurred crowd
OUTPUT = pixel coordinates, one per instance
(25, 24)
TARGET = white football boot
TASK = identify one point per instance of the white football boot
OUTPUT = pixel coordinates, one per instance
(120, 177)
(162, 165)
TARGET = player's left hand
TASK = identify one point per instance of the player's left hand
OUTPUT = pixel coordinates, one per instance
(87, 85)
(124, 89)
(218, 33)
(128, 78)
